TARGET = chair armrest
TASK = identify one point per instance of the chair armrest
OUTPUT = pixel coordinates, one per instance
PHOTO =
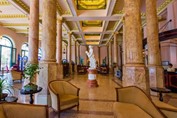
(55, 99)
(167, 109)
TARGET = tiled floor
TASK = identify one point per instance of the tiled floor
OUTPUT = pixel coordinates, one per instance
(94, 102)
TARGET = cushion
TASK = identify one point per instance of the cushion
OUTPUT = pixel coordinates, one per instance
(127, 110)
(68, 99)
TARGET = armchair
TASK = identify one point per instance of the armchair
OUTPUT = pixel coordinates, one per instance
(16, 75)
(64, 95)
(132, 102)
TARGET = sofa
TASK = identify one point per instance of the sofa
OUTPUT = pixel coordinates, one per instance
(132, 102)
(19, 110)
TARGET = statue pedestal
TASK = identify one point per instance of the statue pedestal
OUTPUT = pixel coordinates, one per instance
(92, 82)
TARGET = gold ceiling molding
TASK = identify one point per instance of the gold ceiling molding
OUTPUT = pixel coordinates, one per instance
(163, 6)
(13, 16)
(4, 2)
(159, 9)
(96, 23)
(15, 24)
(22, 5)
(62, 12)
(91, 4)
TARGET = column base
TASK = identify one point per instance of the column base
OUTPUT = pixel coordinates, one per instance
(136, 75)
(92, 83)
(156, 76)
(48, 72)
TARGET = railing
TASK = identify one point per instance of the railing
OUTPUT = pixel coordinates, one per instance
(170, 34)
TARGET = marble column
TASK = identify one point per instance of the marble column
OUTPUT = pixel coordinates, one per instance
(156, 75)
(115, 49)
(110, 57)
(75, 48)
(59, 49)
(123, 46)
(134, 71)
(78, 54)
(69, 53)
(99, 62)
(48, 71)
(33, 39)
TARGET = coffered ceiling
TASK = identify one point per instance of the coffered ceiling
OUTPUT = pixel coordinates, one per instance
(92, 22)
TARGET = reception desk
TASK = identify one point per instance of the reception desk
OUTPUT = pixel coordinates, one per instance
(171, 81)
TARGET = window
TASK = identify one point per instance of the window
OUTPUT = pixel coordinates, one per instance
(7, 53)
(24, 50)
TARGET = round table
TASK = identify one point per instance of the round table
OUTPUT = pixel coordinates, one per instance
(31, 92)
(160, 91)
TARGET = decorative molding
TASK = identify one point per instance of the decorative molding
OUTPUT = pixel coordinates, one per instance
(22, 5)
(15, 24)
(163, 6)
(13, 16)
(4, 3)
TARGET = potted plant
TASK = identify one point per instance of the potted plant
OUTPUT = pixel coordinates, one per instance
(4, 86)
(29, 73)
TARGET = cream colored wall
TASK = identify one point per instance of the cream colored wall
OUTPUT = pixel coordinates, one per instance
(17, 39)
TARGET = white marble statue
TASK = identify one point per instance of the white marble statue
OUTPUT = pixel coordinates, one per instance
(91, 58)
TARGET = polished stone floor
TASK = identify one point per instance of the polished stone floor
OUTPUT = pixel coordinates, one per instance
(94, 102)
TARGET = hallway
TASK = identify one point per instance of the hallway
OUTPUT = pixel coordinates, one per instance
(94, 102)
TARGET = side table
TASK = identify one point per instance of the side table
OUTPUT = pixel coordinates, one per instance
(160, 91)
(24, 92)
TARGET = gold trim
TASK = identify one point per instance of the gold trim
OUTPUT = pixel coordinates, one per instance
(22, 5)
(4, 2)
(163, 6)
(159, 9)
(15, 24)
(63, 12)
(13, 16)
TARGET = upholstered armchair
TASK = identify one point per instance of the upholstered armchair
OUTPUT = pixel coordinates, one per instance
(132, 102)
(19, 110)
(16, 75)
(64, 95)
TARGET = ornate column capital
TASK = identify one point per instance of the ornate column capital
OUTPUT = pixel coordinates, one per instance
(116, 33)
(59, 19)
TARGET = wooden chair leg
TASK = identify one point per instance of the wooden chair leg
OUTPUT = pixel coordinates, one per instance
(78, 107)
